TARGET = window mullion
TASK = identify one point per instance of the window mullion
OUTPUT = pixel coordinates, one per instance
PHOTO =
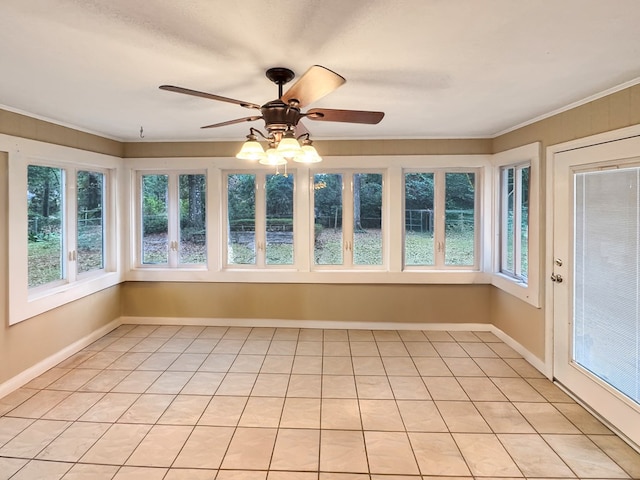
(517, 222)
(69, 225)
(347, 219)
(439, 208)
(173, 214)
(261, 219)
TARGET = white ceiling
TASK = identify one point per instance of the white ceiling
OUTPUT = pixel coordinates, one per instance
(438, 68)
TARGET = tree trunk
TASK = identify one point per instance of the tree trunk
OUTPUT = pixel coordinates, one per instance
(357, 223)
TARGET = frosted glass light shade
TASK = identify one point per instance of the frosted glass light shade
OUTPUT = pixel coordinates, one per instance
(272, 157)
(288, 147)
(251, 150)
(308, 155)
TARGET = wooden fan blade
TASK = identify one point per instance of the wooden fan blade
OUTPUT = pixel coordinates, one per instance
(232, 122)
(313, 85)
(348, 116)
(210, 96)
(300, 129)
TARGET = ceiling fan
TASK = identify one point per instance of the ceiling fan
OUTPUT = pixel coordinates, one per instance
(282, 116)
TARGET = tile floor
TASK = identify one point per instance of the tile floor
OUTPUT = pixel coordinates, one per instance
(169, 402)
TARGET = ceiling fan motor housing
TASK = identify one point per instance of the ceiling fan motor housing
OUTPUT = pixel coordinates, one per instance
(279, 117)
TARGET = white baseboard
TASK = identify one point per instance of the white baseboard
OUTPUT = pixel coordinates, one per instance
(51, 361)
(38, 369)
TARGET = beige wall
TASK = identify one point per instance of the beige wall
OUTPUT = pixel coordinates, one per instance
(345, 302)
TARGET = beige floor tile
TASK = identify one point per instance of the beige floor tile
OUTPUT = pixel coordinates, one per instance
(164, 331)
(478, 350)
(100, 360)
(449, 349)
(38, 469)
(213, 332)
(29, 442)
(545, 418)
(262, 412)
(250, 448)
(381, 415)
(282, 347)
(74, 442)
(336, 349)
(334, 335)
(18, 397)
(184, 410)
(74, 406)
(296, 449)
(355, 335)
(237, 333)
(160, 447)
(175, 345)
(301, 413)
(47, 378)
(129, 361)
(337, 366)
(205, 448)
(110, 407)
(148, 408)
(400, 366)
(462, 417)
(523, 368)
(534, 457)
(223, 411)
(255, 347)
(518, 390)
(73, 361)
(409, 388)
(340, 414)
(10, 427)
(188, 362)
(444, 388)
(412, 336)
(241, 475)
(82, 471)
(432, 367)
(39, 404)
(170, 382)
(201, 345)
(137, 381)
(620, 452)
(496, 367)
(277, 364)
(338, 386)
(115, 446)
(503, 417)
(218, 362)
(421, 349)
(247, 364)
(373, 387)
(148, 345)
(305, 386)
(310, 335)
(584, 457)
(463, 367)
(582, 419)
(140, 473)
(391, 453)
(481, 389)
(549, 391)
(342, 451)
(392, 349)
(464, 336)
(271, 385)
(368, 366)
(421, 416)
(228, 346)
(438, 336)
(9, 466)
(159, 361)
(237, 384)
(503, 350)
(364, 349)
(104, 381)
(190, 474)
(437, 454)
(386, 336)
(485, 455)
(286, 333)
(275, 475)
(307, 365)
(203, 383)
(309, 348)
(346, 476)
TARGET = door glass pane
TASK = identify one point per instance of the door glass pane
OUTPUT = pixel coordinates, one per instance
(606, 325)
(241, 216)
(90, 221)
(459, 219)
(367, 219)
(45, 197)
(155, 234)
(279, 234)
(524, 222)
(327, 248)
(193, 229)
(418, 219)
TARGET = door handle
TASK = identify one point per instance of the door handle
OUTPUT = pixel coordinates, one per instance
(556, 278)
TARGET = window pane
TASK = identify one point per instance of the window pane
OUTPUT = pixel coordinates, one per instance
(279, 232)
(418, 219)
(508, 220)
(90, 221)
(155, 234)
(459, 218)
(367, 219)
(524, 217)
(45, 187)
(328, 218)
(241, 212)
(193, 230)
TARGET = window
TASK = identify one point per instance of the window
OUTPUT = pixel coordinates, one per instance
(516, 222)
(348, 228)
(440, 219)
(260, 219)
(173, 219)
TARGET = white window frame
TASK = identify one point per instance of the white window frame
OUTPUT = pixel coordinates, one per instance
(348, 229)
(25, 302)
(528, 291)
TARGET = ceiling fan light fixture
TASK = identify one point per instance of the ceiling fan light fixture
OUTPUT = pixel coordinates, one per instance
(308, 154)
(273, 158)
(288, 147)
(251, 149)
